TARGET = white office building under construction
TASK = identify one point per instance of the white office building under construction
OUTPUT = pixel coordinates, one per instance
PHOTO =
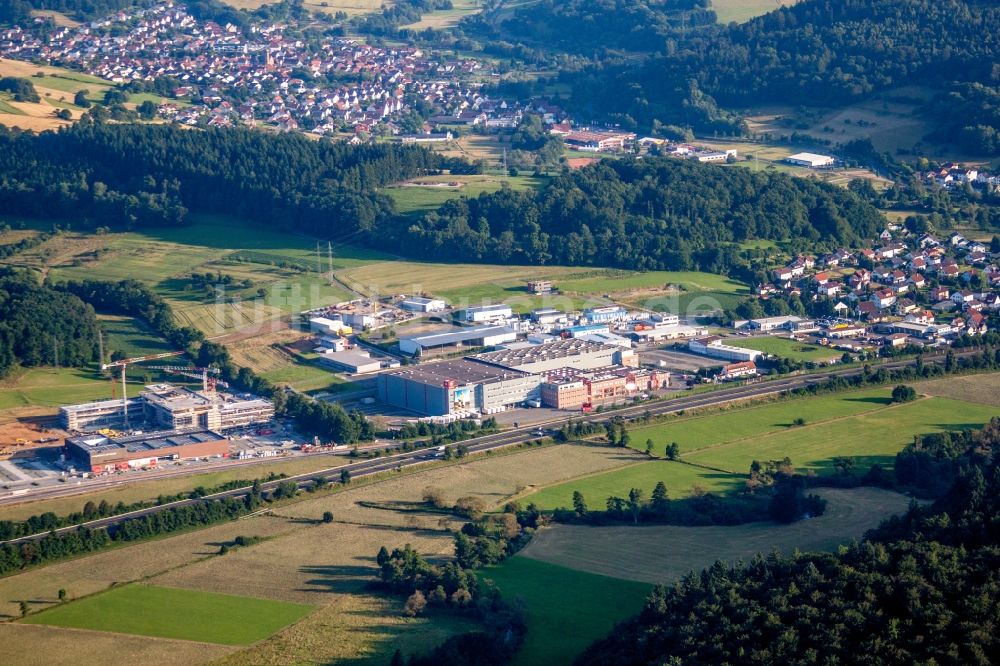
(169, 407)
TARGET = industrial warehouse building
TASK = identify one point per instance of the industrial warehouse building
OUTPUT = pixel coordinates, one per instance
(605, 314)
(564, 353)
(713, 346)
(171, 408)
(421, 304)
(354, 361)
(100, 454)
(568, 388)
(327, 326)
(460, 388)
(810, 160)
(483, 313)
(481, 336)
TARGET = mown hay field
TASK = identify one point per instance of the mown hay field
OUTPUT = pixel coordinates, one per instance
(665, 553)
(983, 389)
(94, 573)
(56, 646)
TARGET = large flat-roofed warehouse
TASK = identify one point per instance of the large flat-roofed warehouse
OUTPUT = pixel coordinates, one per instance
(480, 336)
(460, 387)
(810, 160)
(99, 454)
(714, 347)
(568, 353)
(355, 361)
(481, 313)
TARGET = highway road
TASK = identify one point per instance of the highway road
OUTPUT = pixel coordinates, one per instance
(499, 440)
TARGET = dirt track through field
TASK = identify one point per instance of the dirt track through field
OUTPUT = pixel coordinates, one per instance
(665, 553)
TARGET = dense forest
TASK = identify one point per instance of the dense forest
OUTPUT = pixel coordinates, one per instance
(817, 52)
(654, 213)
(42, 326)
(140, 175)
(924, 588)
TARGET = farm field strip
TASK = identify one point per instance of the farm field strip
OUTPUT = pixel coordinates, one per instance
(166, 612)
(58, 646)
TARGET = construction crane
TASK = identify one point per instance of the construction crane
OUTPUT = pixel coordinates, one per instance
(125, 362)
(208, 384)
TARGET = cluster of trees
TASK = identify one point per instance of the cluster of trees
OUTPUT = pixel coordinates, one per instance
(450, 432)
(456, 586)
(917, 590)
(773, 491)
(968, 116)
(931, 464)
(21, 90)
(655, 213)
(40, 325)
(17, 247)
(398, 14)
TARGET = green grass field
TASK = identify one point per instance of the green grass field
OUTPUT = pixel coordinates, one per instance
(176, 613)
(6, 107)
(698, 432)
(859, 425)
(596, 489)
(870, 438)
(307, 377)
(787, 348)
(567, 609)
(131, 336)
(616, 281)
(52, 387)
(416, 200)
